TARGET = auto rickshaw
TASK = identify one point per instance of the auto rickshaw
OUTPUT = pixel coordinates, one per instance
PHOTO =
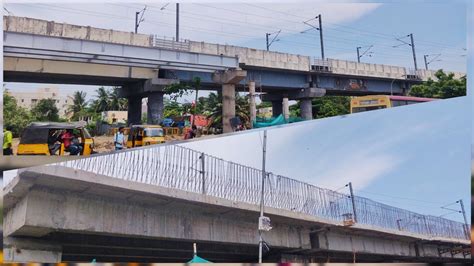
(43, 138)
(143, 135)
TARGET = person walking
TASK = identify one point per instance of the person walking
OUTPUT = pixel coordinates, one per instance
(119, 139)
(7, 141)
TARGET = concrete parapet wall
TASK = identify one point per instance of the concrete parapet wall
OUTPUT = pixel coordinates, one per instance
(426, 74)
(365, 69)
(255, 57)
(51, 28)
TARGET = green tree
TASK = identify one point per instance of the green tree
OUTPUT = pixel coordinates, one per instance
(13, 115)
(78, 107)
(172, 108)
(445, 87)
(45, 110)
(101, 103)
(115, 102)
(215, 107)
(326, 106)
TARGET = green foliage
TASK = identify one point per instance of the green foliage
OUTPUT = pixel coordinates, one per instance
(45, 110)
(79, 104)
(178, 90)
(13, 115)
(108, 100)
(445, 87)
(326, 106)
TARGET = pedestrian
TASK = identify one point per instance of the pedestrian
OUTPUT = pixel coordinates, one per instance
(119, 139)
(191, 134)
(66, 138)
(7, 140)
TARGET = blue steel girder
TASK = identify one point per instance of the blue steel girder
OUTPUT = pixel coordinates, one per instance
(286, 82)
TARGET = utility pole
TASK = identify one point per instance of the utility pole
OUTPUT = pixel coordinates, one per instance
(269, 43)
(320, 29)
(412, 44)
(262, 198)
(321, 36)
(366, 52)
(353, 202)
(413, 50)
(177, 22)
(358, 56)
(136, 21)
(432, 60)
(268, 46)
(466, 225)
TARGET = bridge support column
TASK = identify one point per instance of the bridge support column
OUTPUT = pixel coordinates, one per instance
(134, 115)
(286, 108)
(228, 79)
(155, 108)
(228, 106)
(306, 109)
(253, 107)
(277, 108)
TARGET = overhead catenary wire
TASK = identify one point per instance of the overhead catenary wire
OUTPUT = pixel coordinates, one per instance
(330, 38)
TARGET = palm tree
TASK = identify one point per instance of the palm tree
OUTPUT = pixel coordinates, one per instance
(78, 105)
(115, 102)
(214, 104)
(102, 101)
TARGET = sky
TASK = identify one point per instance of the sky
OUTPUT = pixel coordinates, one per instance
(416, 157)
(345, 26)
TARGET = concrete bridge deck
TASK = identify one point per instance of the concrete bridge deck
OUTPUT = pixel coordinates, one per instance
(77, 210)
(45, 51)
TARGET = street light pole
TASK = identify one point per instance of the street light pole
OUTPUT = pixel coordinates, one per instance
(262, 198)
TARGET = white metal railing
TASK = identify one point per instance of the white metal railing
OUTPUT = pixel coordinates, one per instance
(189, 170)
(163, 42)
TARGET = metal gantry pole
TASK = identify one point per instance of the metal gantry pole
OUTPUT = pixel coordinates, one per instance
(466, 225)
(353, 202)
(266, 36)
(136, 21)
(426, 61)
(321, 36)
(358, 54)
(177, 22)
(413, 50)
(262, 197)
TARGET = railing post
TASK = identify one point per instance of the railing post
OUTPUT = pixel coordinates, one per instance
(203, 173)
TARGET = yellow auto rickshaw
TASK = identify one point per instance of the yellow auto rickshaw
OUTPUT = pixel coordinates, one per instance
(45, 138)
(143, 135)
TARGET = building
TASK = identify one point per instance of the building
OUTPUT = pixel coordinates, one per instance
(114, 117)
(29, 99)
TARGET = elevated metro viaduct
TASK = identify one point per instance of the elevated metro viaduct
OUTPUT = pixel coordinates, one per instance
(39, 51)
(57, 213)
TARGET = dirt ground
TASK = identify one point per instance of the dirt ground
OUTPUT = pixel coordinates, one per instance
(101, 143)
